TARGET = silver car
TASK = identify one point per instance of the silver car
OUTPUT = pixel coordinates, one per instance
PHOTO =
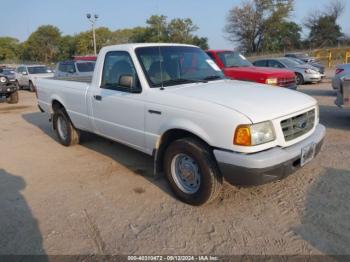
(75, 68)
(304, 73)
(340, 71)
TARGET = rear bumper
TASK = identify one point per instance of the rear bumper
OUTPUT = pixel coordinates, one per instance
(266, 166)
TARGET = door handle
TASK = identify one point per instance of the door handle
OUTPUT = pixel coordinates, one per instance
(98, 97)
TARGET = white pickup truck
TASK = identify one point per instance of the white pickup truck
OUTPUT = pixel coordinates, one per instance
(172, 101)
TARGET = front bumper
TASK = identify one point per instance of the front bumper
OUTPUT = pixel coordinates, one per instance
(312, 78)
(8, 88)
(266, 166)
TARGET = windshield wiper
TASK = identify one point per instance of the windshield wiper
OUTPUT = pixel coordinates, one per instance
(181, 81)
(210, 78)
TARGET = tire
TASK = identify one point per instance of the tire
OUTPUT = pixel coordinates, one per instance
(205, 185)
(67, 134)
(31, 87)
(299, 79)
(18, 86)
(13, 98)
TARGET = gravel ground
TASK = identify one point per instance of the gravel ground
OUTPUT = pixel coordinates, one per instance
(100, 197)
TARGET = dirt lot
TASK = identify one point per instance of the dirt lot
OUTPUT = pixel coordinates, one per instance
(100, 197)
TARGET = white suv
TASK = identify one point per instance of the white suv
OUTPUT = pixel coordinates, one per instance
(26, 74)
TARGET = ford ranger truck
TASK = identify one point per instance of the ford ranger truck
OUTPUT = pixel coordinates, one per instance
(236, 66)
(173, 102)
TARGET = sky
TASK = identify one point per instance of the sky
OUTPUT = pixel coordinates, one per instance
(20, 18)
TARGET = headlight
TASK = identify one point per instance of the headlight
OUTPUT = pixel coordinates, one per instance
(310, 71)
(256, 134)
(271, 81)
(3, 79)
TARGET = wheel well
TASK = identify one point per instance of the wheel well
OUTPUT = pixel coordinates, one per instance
(56, 105)
(166, 139)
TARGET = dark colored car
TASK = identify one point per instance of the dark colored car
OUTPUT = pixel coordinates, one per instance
(318, 66)
(8, 87)
(302, 56)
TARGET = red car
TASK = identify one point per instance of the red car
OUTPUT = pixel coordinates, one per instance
(236, 66)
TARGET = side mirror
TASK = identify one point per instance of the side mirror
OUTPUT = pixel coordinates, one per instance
(127, 81)
(71, 71)
(24, 73)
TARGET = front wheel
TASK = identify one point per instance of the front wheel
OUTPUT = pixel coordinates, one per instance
(299, 79)
(13, 98)
(31, 87)
(192, 171)
(67, 134)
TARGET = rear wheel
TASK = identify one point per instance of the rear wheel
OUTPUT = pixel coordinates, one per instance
(192, 171)
(13, 98)
(31, 87)
(67, 134)
(299, 79)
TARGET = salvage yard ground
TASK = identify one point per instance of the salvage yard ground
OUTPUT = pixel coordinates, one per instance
(101, 198)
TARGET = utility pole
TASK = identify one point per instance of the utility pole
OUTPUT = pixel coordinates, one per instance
(93, 20)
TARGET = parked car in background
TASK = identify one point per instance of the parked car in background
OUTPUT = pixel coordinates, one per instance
(26, 75)
(302, 56)
(343, 93)
(172, 102)
(74, 68)
(304, 73)
(8, 87)
(340, 71)
(9, 73)
(236, 66)
(317, 66)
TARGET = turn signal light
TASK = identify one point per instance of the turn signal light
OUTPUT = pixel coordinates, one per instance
(242, 136)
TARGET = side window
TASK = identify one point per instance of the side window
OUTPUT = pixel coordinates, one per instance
(116, 65)
(62, 67)
(275, 64)
(260, 63)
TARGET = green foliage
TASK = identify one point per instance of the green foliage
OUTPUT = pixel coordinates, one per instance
(9, 48)
(325, 31)
(43, 44)
(257, 22)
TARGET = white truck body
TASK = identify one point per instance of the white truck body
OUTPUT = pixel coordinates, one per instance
(210, 111)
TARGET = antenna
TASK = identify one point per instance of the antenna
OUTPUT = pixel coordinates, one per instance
(159, 52)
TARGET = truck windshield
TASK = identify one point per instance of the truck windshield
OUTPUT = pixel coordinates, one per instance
(38, 70)
(173, 65)
(233, 59)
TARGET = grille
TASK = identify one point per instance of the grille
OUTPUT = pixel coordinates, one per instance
(299, 125)
(286, 81)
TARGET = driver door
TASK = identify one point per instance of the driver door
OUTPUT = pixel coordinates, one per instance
(118, 112)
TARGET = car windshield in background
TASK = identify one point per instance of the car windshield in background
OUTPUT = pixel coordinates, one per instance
(297, 60)
(38, 70)
(172, 65)
(86, 67)
(233, 59)
(8, 72)
(289, 62)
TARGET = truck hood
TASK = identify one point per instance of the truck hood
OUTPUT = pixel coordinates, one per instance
(256, 101)
(262, 71)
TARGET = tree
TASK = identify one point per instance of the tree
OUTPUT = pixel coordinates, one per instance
(9, 48)
(67, 47)
(324, 30)
(180, 30)
(85, 44)
(43, 44)
(285, 36)
(253, 21)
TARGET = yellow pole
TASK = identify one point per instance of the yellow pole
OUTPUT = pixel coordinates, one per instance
(329, 58)
(347, 56)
